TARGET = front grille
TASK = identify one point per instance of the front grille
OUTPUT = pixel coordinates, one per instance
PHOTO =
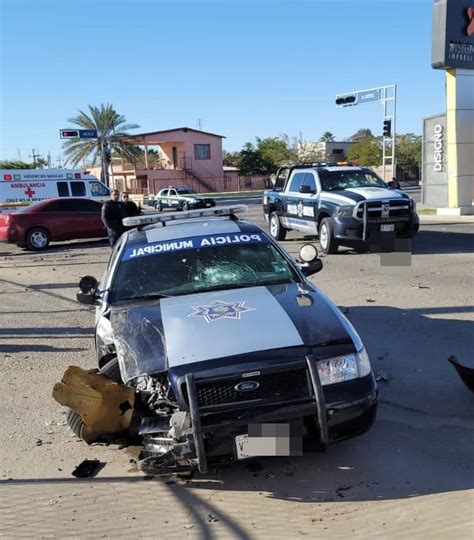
(278, 386)
(398, 208)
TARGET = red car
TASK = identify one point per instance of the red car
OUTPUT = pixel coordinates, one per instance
(37, 225)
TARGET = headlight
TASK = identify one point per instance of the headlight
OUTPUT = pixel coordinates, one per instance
(344, 211)
(344, 368)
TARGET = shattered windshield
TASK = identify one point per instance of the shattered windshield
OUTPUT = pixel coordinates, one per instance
(335, 180)
(199, 264)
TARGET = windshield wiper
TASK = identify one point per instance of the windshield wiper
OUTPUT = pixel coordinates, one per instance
(147, 297)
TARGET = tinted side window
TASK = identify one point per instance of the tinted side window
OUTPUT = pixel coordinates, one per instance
(172, 193)
(296, 182)
(63, 189)
(98, 189)
(310, 181)
(86, 205)
(164, 193)
(78, 189)
(66, 205)
(281, 180)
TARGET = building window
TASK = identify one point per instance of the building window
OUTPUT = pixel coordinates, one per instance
(202, 151)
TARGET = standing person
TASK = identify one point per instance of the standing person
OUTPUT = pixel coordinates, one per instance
(131, 209)
(113, 212)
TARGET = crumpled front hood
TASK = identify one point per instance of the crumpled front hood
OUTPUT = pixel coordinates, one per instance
(184, 330)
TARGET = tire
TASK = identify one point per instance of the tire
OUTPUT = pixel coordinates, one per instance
(158, 206)
(277, 231)
(37, 239)
(327, 241)
(74, 419)
(185, 206)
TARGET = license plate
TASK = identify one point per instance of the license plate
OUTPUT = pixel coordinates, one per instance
(241, 442)
(387, 227)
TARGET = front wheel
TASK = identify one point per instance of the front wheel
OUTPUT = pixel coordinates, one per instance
(276, 230)
(326, 237)
(158, 206)
(37, 239)
(185, 206)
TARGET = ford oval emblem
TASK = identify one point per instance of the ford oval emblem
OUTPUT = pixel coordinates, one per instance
(246, 386)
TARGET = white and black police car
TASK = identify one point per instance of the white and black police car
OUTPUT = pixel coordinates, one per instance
(343, 205)
(221, 333)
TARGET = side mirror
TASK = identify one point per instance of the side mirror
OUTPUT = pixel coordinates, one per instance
(393, 184)
(88, 290)
(306, 190)
(311, 264)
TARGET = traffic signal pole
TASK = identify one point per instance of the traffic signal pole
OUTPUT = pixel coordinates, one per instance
(387, 95)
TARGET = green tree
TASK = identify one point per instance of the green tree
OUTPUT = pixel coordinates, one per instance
(275, 150)
(366, 152)
(231, 159)
(360, 134)
(252, 161)
(15, 164)
(327, 136)
(111, 129)
(408, 154)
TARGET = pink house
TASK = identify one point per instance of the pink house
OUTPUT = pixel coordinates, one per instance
(170, 157)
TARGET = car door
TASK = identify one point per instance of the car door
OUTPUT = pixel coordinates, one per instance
(309, 200)
(62, 219)
(162, 198)
(89, 219)
(293, 205)
(173, 199)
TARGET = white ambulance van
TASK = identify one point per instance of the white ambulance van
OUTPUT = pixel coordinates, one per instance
(20, 187)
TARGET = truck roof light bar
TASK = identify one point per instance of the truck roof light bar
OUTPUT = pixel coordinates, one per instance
(150, 219)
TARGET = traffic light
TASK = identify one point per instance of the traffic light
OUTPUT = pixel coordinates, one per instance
(69, 134)
(344, 101)
(387, 128)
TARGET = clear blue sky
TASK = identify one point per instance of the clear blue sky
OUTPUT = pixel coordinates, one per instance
(247, 68)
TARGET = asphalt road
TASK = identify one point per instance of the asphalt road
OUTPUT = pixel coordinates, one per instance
(411, 476)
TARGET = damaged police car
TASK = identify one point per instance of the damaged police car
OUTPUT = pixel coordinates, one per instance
(214, 336)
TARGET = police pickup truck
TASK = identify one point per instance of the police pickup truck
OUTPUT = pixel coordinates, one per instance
(344, 205)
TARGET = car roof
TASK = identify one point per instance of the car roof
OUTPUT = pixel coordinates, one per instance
(190, 228)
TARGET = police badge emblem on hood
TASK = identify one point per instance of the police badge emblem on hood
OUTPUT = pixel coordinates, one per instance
(181, 330)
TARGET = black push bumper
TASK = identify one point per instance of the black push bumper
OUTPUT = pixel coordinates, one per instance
(349, 229)
(341, 411)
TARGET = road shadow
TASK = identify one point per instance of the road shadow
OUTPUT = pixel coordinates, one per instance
(49, 331)
(13, 348)
(428, 242)
(43, 286)
(55, 247)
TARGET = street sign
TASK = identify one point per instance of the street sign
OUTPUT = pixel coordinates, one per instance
(367, 96)
(88, 134)
(78, 133)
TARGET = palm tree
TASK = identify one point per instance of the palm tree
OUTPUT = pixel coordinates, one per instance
(111, 133)
(327, 136)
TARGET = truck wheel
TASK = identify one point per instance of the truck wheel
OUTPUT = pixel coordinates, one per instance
(326, 237)
(276, 230)
(74, 419)
(37, 239)
(158, 207)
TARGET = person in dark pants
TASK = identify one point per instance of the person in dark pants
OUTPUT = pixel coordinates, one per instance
(113, 212)
(131, 209)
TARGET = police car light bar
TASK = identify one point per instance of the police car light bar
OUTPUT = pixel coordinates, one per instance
(139, 221)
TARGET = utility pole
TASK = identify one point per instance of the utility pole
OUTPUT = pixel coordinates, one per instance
(200, 123)
(34, 156)
(59, 161)
(49, 160)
